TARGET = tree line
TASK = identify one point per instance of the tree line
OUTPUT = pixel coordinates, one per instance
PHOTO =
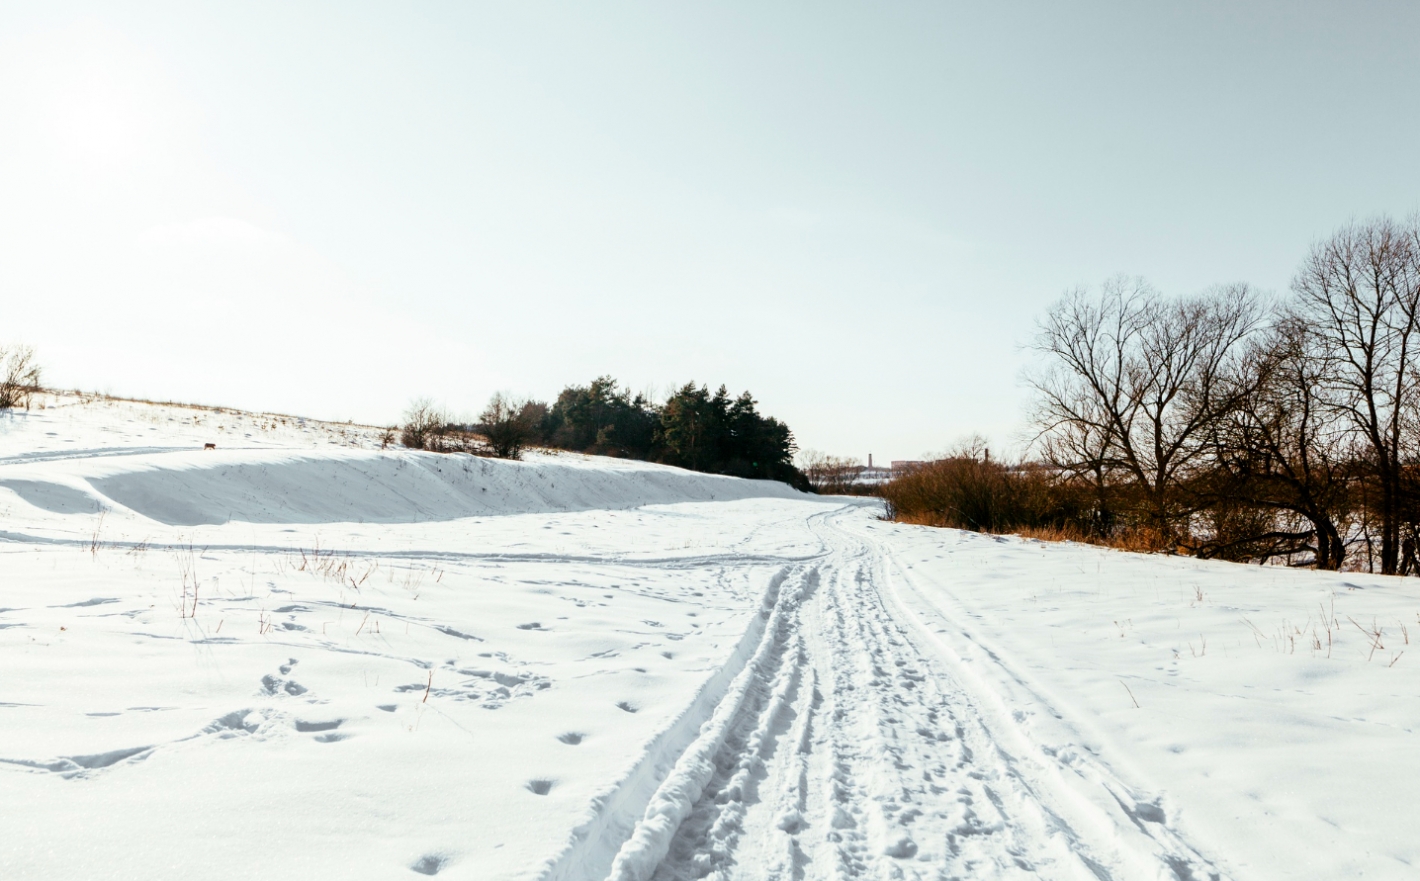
(693, 428)
(1227, 424)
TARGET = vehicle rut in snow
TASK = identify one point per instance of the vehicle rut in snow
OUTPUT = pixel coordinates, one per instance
(850, 751)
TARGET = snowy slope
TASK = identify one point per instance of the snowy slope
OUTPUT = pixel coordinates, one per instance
(302, 656)
(331, 473)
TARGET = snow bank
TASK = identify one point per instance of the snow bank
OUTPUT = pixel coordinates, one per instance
(339, 486)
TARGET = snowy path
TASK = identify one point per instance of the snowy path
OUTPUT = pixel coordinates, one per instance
(850, 749)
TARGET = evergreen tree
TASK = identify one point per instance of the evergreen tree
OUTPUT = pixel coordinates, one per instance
(694, 429)
(601, 418)
(693, 425)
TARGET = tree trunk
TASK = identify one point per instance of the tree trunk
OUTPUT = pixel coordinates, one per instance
(1390, 523)
(1330, 550)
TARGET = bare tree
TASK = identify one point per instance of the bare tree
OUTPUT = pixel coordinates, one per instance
(424, 422)
(1282, 464)
(1360, 292)
(1077, 443)
(19, 376)
(1135, 384)
(830, 475)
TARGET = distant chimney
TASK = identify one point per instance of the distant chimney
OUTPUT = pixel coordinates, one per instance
(870, 460)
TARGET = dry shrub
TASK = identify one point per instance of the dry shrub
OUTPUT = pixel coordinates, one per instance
(965, 492)
(1141, 540)
(428, 426)
(1054, 533)
(1030, 500)
(422, 422)
(19, 376)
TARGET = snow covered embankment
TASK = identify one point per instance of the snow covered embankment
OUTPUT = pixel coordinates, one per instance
(202, 488)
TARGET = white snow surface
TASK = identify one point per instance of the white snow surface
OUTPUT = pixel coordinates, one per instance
(302, 656)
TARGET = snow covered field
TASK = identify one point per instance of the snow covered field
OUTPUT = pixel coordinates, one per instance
(300, 656)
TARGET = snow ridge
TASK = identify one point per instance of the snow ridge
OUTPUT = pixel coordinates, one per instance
(312, 487)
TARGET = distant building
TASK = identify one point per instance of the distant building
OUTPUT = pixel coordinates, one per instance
(874, 474)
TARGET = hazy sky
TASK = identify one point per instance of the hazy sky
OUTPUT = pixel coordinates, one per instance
(855, 211)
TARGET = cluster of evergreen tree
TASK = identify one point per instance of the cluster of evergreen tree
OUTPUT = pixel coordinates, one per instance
(694, 428)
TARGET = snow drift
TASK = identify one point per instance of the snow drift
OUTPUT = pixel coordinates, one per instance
(256, 486)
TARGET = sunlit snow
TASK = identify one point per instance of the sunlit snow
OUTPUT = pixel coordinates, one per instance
(300, 655)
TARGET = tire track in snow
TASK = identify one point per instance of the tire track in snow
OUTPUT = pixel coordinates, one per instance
(632, 822)
(1076, 788)
(849, 745)
(868, 779)
(728, 752)
(913, 792)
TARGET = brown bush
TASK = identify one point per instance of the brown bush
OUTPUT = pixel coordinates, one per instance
(966, 492)
(428, 427)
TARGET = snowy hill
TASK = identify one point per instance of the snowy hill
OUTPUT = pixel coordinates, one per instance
(285, 472)
(301, 656)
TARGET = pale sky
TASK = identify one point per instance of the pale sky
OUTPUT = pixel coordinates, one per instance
(855, 211)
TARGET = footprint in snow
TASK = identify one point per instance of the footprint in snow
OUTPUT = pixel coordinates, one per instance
(491, 688)
(533, 626)
(313, 727)
(1149, 812)
(571, 738)
(540, 787)
(96, 601)
(628, 706)
(430, 864)
(105, 759)
(272, 684)
(901, 848)
(236, 723)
